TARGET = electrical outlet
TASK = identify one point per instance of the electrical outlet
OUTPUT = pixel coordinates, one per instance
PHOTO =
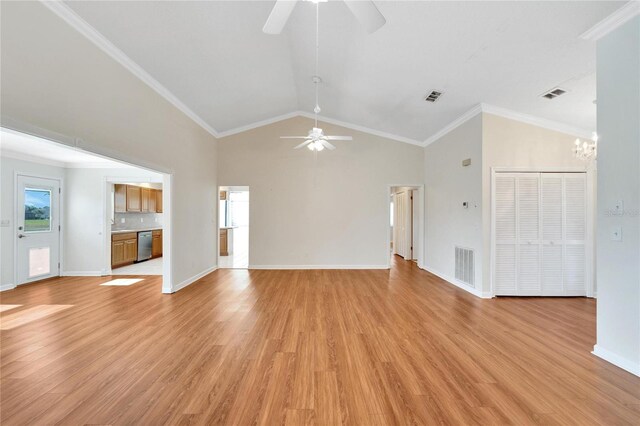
(122, 220)
(616, 233)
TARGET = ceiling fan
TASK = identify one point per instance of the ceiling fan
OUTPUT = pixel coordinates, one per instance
(365, 12)
(316, 140)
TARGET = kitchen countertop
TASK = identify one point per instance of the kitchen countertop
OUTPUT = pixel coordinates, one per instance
(124, 231)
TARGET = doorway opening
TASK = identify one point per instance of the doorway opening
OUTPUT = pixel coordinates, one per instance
(405, 222)
(233, 230)
(66, 215)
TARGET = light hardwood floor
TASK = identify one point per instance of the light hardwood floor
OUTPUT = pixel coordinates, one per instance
(302, 347)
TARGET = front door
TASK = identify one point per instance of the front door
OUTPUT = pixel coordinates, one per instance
(37, 229)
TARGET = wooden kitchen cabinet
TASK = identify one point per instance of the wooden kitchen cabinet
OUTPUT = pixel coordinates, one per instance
(120, 198)
(158, 200)
(134, 198)
(152, 200)
(145, 194)
(156, 243)
(224, 242)
(124, 248)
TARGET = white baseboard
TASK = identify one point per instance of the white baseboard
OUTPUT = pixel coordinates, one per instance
(6, 287)
(617, 360)
(193, 279)
(458, 284)
(318, 267)
(81, 274)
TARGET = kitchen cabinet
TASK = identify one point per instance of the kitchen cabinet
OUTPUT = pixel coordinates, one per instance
(156, 243)
(134, 198)
(145, 193)
(159, 201)
(152, 200)
(120, 198)
(224, 242)
(124, 248)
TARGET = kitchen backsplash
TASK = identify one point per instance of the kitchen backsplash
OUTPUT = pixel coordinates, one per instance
(137, 221)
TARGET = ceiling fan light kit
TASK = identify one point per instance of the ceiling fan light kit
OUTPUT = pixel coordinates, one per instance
(316, 140)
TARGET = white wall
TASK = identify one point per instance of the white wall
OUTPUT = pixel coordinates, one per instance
(84, 217)
(8, 168)
(513, 144)
(52, 77)
(618, 82)
(329, 209)
(448, 184)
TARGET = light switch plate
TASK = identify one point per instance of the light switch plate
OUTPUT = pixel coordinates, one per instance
(5, 222)
(618, 207)
(616, 234)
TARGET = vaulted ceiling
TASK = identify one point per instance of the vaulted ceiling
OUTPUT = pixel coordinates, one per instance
(214, 58)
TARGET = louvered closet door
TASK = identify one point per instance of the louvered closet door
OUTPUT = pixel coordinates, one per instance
(505, 234)
(552, 234)
(528, 234)
(575, 231)
(540, 234)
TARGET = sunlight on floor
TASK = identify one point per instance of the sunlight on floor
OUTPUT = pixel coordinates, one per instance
(123, 281)
(7, 307)
(28, 315)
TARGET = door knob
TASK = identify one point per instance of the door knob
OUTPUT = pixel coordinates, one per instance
(22, 236)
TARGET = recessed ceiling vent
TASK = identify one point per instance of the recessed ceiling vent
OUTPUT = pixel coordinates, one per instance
(433, 96)
(554, 93)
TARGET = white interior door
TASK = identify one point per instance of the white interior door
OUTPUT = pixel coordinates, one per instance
(37, 228)
(539, 222)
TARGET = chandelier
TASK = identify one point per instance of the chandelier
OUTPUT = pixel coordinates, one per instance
(587, 149)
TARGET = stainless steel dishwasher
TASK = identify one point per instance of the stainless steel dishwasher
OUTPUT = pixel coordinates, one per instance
(144, 245)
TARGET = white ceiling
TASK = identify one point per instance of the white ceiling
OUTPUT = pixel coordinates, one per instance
(31, 148)
(214, 58)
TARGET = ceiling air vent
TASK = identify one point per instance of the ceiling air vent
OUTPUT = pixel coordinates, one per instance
(433, 96)
(554, 93)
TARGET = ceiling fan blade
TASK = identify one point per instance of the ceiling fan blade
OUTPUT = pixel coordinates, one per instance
(327, 144)
(294, 137)
(279, 16)
(367, 14)
(338, 138)
(303, 144)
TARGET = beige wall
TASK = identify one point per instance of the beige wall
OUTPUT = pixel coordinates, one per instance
(448, 184)
(55, 79)
(513, 144)
(322, 210)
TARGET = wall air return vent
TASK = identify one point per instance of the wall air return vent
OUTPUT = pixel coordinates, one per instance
(465, 266)
(554, 93)
(433, 96)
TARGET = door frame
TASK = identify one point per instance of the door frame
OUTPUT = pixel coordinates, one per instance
(230, 188)
(421, 221)
(589, 171)
(60, 181)
(106, 208)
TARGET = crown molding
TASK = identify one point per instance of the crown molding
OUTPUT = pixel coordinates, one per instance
(93, 35)
(512, 115)
(613, 21)
(454, 124)
(359, 128)
(324, 119)
(537, 121)
(257, 124)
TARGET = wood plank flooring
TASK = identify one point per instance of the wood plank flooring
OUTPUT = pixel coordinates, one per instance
(302, 348)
